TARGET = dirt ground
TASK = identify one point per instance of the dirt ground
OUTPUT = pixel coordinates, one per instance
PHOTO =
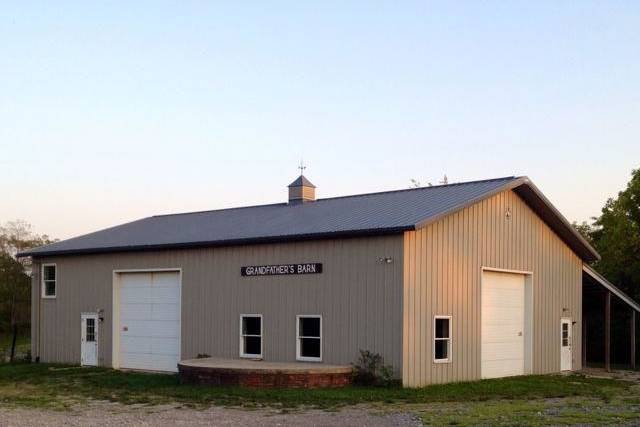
(113, 414)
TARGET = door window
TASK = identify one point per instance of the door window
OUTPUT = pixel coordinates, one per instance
(90, 330)
(565, 334)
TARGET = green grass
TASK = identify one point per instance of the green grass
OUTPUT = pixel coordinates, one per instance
(5, 341)
(60, 386)
(540, 412)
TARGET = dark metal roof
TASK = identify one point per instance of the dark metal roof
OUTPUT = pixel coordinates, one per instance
(367, 214)
(590, 275)
(302, 181)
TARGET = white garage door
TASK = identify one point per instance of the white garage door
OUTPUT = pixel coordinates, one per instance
(503, 323)
(150, 321)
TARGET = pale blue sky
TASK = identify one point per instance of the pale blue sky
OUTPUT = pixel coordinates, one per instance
(111, 112)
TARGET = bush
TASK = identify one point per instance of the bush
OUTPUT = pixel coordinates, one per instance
(370, 370)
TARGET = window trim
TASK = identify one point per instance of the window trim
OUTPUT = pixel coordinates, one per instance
(43, 287)
(450, 339)
(261, 336)
(298, 338)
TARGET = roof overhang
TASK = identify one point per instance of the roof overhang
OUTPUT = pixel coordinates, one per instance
(608, 285)
(555, 220)
(220, 243)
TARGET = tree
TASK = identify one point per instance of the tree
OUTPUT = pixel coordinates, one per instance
(16, 236)
(585, 229)
(615, 234)
(15, 289)
(15, 294)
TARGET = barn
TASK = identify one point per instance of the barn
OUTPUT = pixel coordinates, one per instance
(455, 282)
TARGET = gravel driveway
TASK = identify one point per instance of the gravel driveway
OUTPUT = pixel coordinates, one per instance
(113, 414)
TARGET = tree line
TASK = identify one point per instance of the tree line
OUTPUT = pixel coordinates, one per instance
(15, 280)
(615, 234)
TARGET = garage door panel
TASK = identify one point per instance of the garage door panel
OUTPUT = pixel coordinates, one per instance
(150, 321)
(505, 302)
(140, 343)
(151, 328)
(499, 297)
(135, 311)
(135, 295)
(500, 312)
(497, 334)
(502, 350)
(165, 279)
(164, 363)
(502, 368)
(503, 309)
(500, 316)
(134, 360)
(164, 346)
(165, 296)
(170, 312)
(149, 362)
(135, 280)
(500, 284)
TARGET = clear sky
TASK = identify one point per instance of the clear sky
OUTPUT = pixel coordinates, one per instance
(114, 111)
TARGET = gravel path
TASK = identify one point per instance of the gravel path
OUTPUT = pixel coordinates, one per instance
(112, 414)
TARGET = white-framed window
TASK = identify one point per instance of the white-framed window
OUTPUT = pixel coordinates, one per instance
(442, 339)
(49, 280)
(309, 338)
(251, 336)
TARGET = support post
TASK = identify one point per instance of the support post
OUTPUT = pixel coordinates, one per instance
(584, 341)
(607, 331)
(633, 338)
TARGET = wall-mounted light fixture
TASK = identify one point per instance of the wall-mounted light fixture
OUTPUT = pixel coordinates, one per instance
(507, 213)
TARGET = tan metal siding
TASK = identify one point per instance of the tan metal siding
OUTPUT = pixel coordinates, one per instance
(359, 298)
(442, 271)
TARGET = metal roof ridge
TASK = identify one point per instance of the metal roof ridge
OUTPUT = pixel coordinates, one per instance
(402, 190)
(337, 197)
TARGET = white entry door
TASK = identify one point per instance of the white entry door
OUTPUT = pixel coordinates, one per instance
(89, 339)
(566, 354)
(503, 324)
(150, 321)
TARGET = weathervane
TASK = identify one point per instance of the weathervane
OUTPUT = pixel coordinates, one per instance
(302, 167)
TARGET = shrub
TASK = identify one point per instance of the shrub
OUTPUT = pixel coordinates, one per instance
(370, 370)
